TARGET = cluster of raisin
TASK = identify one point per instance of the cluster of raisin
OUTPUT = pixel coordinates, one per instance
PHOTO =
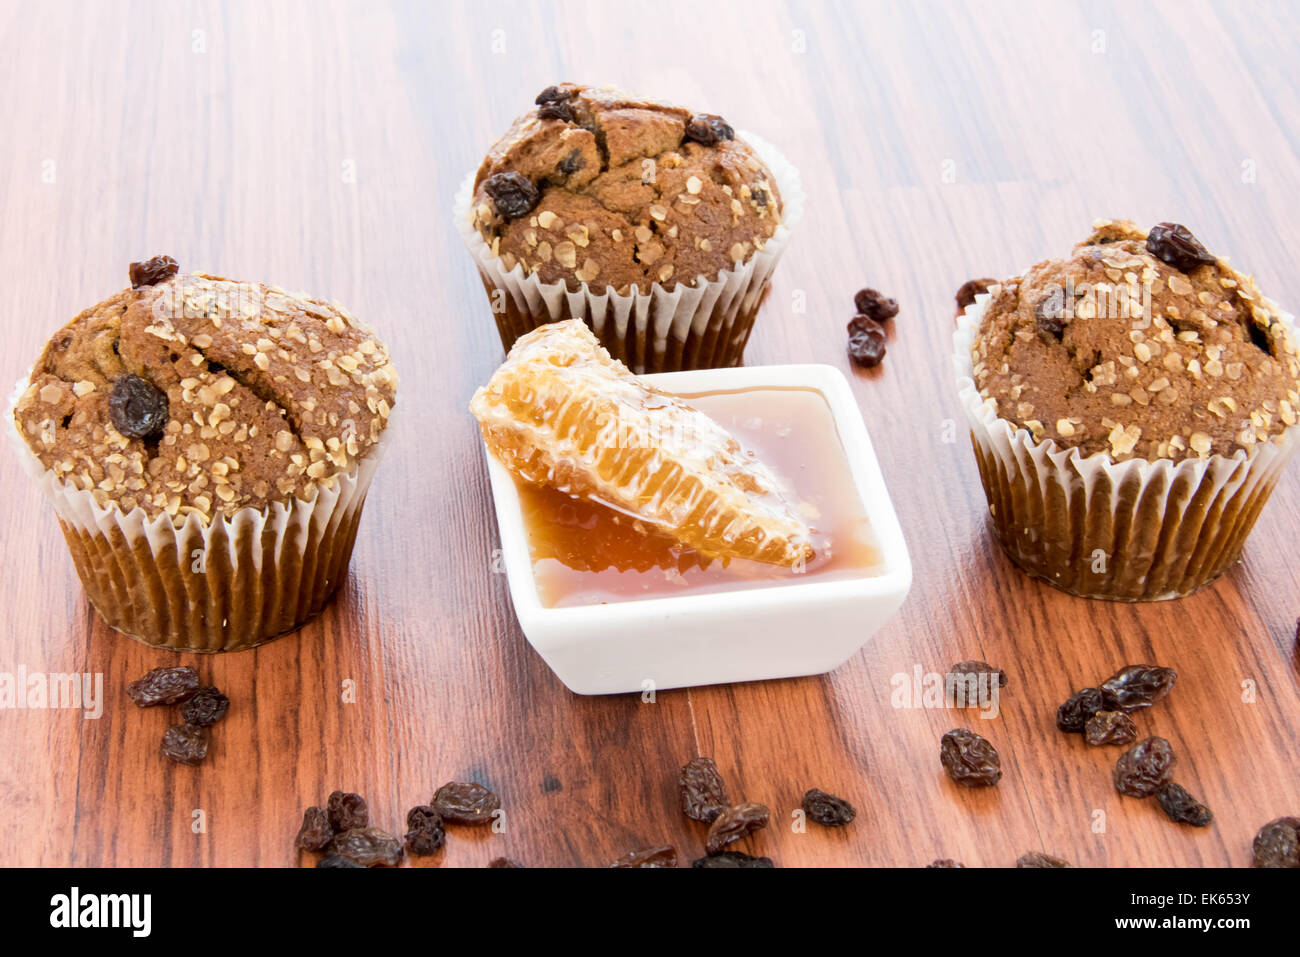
(342, 834)
(1103, 716)
(867, 329)
(200, 708)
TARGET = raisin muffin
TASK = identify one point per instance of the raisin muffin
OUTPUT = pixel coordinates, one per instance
(207, 446)
(1132, 407)
(658, 226)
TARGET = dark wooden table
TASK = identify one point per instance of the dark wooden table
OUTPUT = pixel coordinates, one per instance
(318, 145)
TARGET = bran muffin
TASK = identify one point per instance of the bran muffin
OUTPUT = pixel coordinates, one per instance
(1131, 406)
(657, 226)
(207, 445)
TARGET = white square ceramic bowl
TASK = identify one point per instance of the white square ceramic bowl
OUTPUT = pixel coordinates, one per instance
(755, 633)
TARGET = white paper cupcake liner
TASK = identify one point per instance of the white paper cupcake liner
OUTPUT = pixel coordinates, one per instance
(233, 583)
(1130, 531)
(704, 324)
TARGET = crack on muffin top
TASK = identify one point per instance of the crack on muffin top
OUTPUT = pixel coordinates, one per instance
(270, 396)
(1115, 350)
(624, 197)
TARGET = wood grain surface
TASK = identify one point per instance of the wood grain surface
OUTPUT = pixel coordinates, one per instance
(318, 146)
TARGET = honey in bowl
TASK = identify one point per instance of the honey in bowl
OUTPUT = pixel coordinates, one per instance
(585, 553)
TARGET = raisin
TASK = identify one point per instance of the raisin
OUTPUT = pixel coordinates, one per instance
(979, 668)
(1049, 313)
(556, 110)
(513, 195)
(137, 408)
(1110, 727)
(503, 862)
(369, 847)
(1039, 859)
(662, 856)
(465, 803)
(571, 163)
(875, 305)
(1277, 844)
(1181, 807)
(734, 823)
(338, 861)
(760, 196)
(969, 290)
(186, 744)
(1175, 245)
(866, 342)
(827, 809)
(152, 271)
(970, 759)
(1145, 768)
(1137, 686)
(703, 792)
(315, 833)
(206, 708)
(347, 811)
(425, 834)
(708, 129)
(944, 862)
(164, 686)
(550, 95)
(1073, 716)
(732, 859)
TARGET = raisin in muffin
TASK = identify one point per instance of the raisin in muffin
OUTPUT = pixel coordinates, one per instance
(656, 225)
(207, 445)
(1132, 406)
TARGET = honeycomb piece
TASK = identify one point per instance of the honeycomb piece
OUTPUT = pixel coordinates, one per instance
(560, 412)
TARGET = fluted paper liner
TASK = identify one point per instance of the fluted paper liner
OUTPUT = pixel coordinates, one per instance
(702, 325)
(1137, 530)
(234, 583)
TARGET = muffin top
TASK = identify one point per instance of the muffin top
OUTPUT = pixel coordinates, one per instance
(600, 187)
(1139, 345)
(200, 395)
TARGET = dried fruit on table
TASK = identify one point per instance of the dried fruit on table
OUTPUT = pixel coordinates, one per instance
(662, 856)
(1181, 807)
(1175, 245)
(827, 809)
(970, 759)
(944, 862)
(1137, 686)
(732, 859)
(875, 305)
(315, 833)
(736, 822)
(164, 686)
(1110, 727)
(137, 408)
(186, 744)
(503, 862)
(997, 677)
(1074, 714)
(1145, 768)
(1277, 844)
(425, 834)
(561, 413)
(1039, 859)
(337, 861)
(152, 271)
(969, 290)
(369, 847)
(703, 792)
(465, 803)
(867, 345)
(205, 708)
(347, 811)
